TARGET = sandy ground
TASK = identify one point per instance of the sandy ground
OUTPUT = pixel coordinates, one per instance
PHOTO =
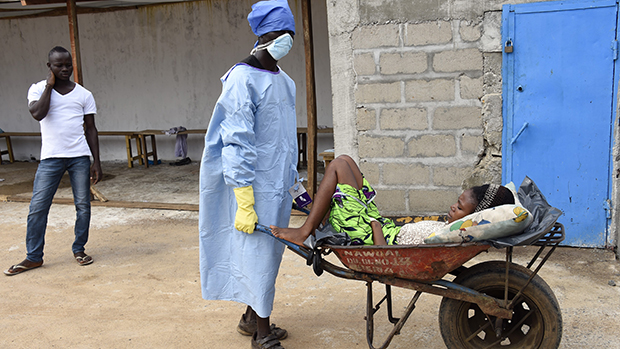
(143, 291)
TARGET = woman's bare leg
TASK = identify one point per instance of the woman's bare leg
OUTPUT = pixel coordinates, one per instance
(341, 170)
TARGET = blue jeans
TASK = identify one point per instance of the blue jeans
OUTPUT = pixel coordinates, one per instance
(46, 181)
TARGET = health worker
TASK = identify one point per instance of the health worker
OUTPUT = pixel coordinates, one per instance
(248, 165)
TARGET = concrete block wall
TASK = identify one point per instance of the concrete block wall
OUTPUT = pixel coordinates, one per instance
(420, 92)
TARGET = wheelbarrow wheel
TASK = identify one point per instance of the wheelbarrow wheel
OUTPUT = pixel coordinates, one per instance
(536, 320)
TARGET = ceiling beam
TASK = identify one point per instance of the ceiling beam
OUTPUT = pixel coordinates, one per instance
(46, 2)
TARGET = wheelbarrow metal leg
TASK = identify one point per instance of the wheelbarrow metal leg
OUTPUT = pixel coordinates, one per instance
(388, 295)
(370, 311)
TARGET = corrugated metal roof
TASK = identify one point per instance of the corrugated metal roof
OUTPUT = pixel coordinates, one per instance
(12, 8)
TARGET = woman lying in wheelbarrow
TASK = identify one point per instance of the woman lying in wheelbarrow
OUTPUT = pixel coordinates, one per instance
(348, 197)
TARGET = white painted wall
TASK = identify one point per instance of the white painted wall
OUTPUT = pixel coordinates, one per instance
(151, 68)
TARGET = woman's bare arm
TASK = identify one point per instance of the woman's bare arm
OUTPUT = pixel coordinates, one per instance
(377, 233)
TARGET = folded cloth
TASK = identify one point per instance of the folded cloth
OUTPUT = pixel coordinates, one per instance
(175, 130)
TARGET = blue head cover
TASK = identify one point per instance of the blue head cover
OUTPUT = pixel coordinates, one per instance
(270, 16)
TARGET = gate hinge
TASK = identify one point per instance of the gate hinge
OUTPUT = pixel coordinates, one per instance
(607, 207)
(614, 49)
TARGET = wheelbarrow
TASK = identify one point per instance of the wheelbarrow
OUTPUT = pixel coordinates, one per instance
(493, 304)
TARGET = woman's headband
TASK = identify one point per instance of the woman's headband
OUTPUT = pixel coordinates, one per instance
(489, 196)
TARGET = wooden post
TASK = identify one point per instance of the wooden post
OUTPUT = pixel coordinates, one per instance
(75, 42)
(306, 11)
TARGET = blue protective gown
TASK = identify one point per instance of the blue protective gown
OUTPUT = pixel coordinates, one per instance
(251, 140)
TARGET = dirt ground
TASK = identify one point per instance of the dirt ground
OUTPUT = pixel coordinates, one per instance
(143, 291)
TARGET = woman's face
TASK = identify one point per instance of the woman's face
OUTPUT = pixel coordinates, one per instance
(465, 205)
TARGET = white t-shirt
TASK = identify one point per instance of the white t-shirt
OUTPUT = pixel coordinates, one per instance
(62, 130)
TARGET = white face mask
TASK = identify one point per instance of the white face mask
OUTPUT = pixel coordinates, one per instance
(277, 47)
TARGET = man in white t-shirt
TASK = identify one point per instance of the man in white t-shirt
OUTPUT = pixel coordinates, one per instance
(66, 112)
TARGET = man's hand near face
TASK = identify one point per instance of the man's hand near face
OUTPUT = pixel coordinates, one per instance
(51, 79)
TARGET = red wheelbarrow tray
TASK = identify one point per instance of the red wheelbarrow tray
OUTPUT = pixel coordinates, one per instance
(412, 262)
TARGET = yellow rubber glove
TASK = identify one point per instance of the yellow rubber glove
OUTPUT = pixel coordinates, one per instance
(246, 218)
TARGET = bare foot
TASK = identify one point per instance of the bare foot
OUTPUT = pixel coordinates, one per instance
(294, 235)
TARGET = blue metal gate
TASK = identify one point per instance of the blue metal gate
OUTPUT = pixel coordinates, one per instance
(559, 89)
